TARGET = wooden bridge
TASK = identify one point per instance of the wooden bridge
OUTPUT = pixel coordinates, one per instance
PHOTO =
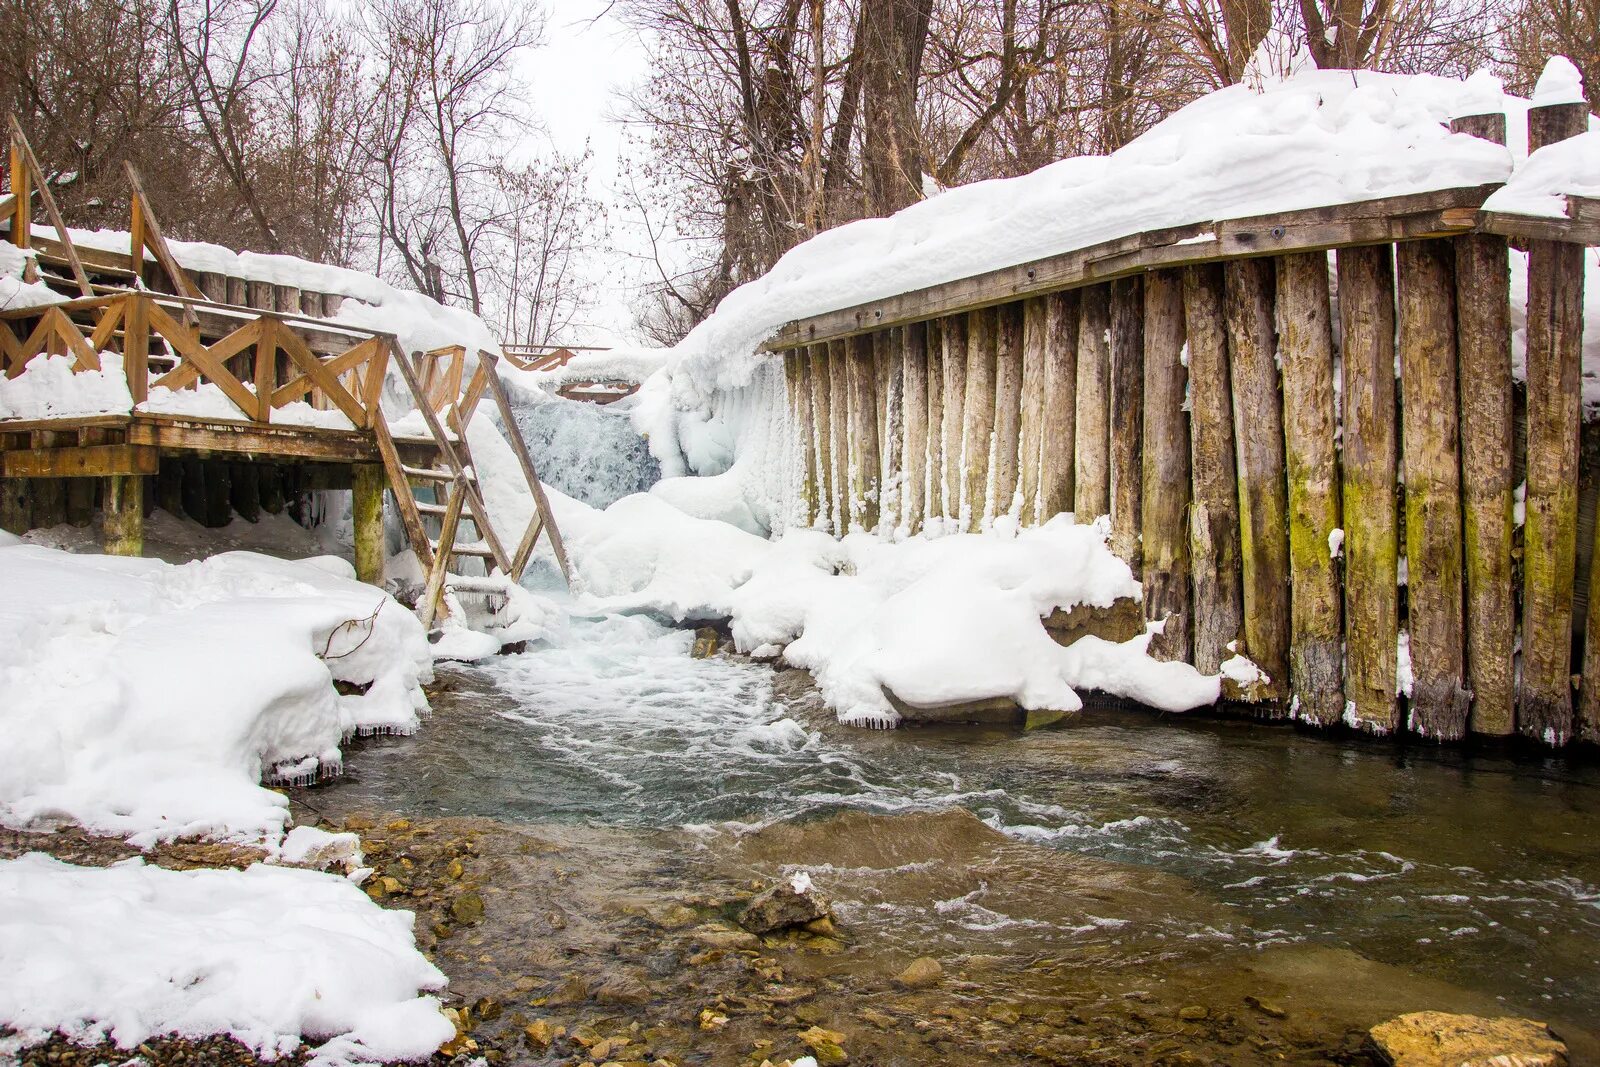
(1184, 382)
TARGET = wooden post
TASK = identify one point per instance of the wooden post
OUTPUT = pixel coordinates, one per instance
(934, 346)
(914, 485)
(977, 430)
(1431, 459)
(953, 342)
(1483, 323)
(14, 517)
(797, 381)
(1091, 495)
(366, 514)
(270, 480)
(48, 497)
(218, 509)
(1007, 436)
(80, 501)
(244, 488)
(1059, 343)
(1127, 416)
(1214, 518)
(122, 515)
(136, 346)
(1258, 447)
(22, 190)
(864, 460)
(1550, 534)
(1030, 447)
(1164, 496)
(822, 417)
(839, 433)
(1305, 344)
(888, 350)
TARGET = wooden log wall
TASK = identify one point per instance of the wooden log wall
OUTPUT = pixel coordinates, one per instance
(1332, 497)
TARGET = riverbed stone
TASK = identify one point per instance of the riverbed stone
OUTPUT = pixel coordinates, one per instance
(1122, 621)
(725, 938)
(782, 906)
(826, 1045)
(467, 908)
(922, 972)
(1440, 1039)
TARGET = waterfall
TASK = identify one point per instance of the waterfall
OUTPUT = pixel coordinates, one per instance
(589, 452)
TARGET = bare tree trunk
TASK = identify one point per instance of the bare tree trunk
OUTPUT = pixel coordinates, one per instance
(894, 33)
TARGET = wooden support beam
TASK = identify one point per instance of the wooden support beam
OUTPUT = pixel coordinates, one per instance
(934, 342)
(1258, 448)
(1127, 417)
(864, 459)
(839, 433)
(914, 484)
(122, 515)
(366, 514)
(1058, 340)
(14, 506)
(20, 143)
(1305, 346)
(1214, 517)
(1550, 533)
(1164, 496)
(1483, 326)
(78, 461)
(822, 437)
(797, 374)
(1092, 447)
(888, 353)
(977, 430)
(1030, 446)
(1004, 457)
(953, 343)
(22, 194)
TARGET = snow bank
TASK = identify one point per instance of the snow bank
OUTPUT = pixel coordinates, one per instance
(49, 389)
(266, 954)
(148, 700)
(1553, 173)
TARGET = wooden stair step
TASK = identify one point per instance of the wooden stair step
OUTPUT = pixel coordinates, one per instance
(435, 474)
(465, 584)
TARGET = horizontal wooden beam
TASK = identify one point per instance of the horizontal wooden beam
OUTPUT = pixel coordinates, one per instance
(175, 433)
(85, 461)
(67, 424)
(1581, 226)
(1400, 218)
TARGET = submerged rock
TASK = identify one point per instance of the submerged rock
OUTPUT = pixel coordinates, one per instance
(792, 902)
(922, 973)
(1122, 621)
(1440, 1039)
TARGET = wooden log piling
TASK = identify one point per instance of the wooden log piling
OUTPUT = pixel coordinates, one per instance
(839, 433)
(1126, 416)
(934, 497)
(1092, 433)
(1005, 453)
(953, 338)
(1164, 496)
(865, 468)
(914, 449)
(1030, 441)
(822, 437)
(889, 354)
(1059, 340)
(977, 430)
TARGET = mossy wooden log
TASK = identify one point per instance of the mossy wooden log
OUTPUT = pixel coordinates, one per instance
(864, 458)
(217, 494)
(1431, 460)
(169, 486)
(1127, 417)
(839, 433)
(1214, 515)
(1058, 327)
(890, 353)
(366, 513)
(1483, 325)
(1164, 496)
(914, 448)
(1030, 445)
(1091, 496)
(934, 498)
(80, 494)
(270, 482)
(822, 438)
(14, 507)
(797, 371)
(1554, 362)
(1371, 513)
(244, 487)
(238, 292)
(1258, 450)
(977, 429)
(1311, 461)
(122, 515)
(953, 345)
(48, 500)
(1004, 456)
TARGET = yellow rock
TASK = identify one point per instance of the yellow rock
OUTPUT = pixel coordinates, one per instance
(1440, 1039)
(711, 1021)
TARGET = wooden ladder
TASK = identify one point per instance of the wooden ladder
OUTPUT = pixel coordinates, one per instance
(436, 386)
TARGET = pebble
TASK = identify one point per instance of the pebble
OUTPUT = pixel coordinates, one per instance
(922, 973)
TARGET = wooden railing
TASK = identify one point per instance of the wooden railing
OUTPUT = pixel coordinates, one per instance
(241, 358)
(544, 357)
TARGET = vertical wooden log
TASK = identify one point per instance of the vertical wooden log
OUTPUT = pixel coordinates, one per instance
(1549, 561)
(48, 497)
(1483, 324)
(244, 488)
(218, 493)
(1004, 455)
(953, 338)
(270, 479)
(1305, 342)
(136, 348)
(1431, 460)
(822, 416)
(1127, 416)
(238, 292)
(14, 506)
(1030, 447)
(366, 513)
(914, 485)
(839, 433)
(1258, 449)
(169, 486)
(1058, 341)
(864, 458)
(1214, 518)
(889, 353)
(1091, 496)
(260, 296)
(192, 488)
(80, 501)
(934, 508)
(977, 431)
(122, 515)
(1164, 496)
(797, 377)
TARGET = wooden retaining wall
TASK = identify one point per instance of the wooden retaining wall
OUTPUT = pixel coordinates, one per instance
(1305, 432)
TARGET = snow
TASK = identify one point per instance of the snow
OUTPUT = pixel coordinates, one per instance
(1559, 83)
(208, 401)
(1553, 173)
(48, 388)
(149, 700)
(266, 954)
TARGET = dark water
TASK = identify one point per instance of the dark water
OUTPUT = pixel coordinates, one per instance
(1478, 871)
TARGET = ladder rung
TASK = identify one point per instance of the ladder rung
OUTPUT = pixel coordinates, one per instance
(471, 548)
(458, 584)
(433, 474)
(432, 509)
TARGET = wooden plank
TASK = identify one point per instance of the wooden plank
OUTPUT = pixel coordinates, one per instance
(22, 191)
(1214, 517)
(1311, 458)
(319, 374)
(1004, 456)
(914, 486)
(1164, 495)
(71, 422)
(822, 436)
(246, 336)
(977, 429)
(156, 241)
(1550, 533)
(1127, 417)
(839, 434)
(1092, 442)
(83, 461)
(185, 434)
(953, 348)
(545, 515)
(405, 500)
(190, 349)
(888, 353)
(1430, 457)
(933, 509)
(136, 348)
(1258, 449)
(1483, 328)
(864, 462)
(47, 198)
(1058, 431)
(1409, 217)
(1030, 446)
(433, 590)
